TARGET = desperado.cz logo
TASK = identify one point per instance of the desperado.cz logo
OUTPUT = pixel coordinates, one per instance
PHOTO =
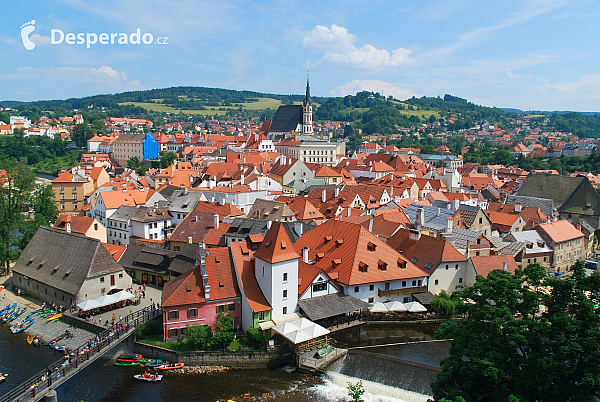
(88, 39)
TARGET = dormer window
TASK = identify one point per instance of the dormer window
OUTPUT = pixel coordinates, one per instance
(335, 263)
(327, 239)
(401, 263)
(382, 265)
(320, 256)
(339, 242)
(371, 246)
(362, 267)
(414, 260)
(283, 245)
(428, 265)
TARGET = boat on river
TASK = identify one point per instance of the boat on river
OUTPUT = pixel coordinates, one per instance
(17, 328)
(126, 364)
(129, 358)
(171, 366)
(148, 377)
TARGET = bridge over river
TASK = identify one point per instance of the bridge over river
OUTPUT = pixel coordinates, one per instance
(40, 384)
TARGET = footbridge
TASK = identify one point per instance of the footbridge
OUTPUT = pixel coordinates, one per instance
(61, 371)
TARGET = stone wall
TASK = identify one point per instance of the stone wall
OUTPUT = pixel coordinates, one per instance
(229, 359)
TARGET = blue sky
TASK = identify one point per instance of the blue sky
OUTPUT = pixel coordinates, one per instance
(525, 54)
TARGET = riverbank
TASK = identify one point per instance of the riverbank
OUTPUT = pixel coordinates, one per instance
(46, 331)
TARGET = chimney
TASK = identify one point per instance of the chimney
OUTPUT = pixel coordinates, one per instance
(455, 204)
(323, 195)
(414, 235)
(269, 223)
(392, 176)
(349, 211)
(222, 201)
(420, 221)
(68, 227)
(371, 224)
(216, 221)
(337, 192)
(449, 223)
(298, 228)
(504, 266)
(212, 198)
(391, 191)
(186, 191)
(468, 247)
(282, 161)
(190, 240)
(305, 255)
(256, 137)
(518, 207)
(242, 179)
(439, 211)
(211, 184)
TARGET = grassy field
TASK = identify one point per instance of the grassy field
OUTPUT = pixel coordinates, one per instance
(262, 104)
(52, 165)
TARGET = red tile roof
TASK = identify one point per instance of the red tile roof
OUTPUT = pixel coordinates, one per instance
(188, 288)
(115, 250)
(343, 247)
(560, 231)
(79, 224)
(277, 246)
(485, 264)
(242, 257)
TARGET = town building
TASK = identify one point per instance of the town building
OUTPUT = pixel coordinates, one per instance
(566, 241)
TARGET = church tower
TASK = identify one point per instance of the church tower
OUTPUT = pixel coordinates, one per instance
(307, 121)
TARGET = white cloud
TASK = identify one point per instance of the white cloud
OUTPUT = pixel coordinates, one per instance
(373, 86)
(586, 86)
(339, 47)
(39, 40)
(103, 77)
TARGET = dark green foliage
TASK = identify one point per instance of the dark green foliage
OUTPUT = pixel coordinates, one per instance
(133, 163)
(223, 329)
(527, 338)
(198, 335)
(255, 336)
(167, 159)
(447, 303)
(80, 134)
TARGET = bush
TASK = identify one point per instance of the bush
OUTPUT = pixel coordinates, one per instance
(255, 336)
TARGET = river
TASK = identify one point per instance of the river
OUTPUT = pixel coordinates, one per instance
(103, 381)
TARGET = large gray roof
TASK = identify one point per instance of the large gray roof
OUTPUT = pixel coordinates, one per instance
(462, 235)
(147, 258)
(286, 118)
(435, 218)
(185, 259)
(64, 260)
(123, 213)
(184, 200)
(555, 187)
(546, 205)
(318, 308)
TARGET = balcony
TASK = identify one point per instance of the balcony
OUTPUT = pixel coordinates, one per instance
(401, 292)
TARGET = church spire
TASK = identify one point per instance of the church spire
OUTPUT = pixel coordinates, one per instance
(307, 97)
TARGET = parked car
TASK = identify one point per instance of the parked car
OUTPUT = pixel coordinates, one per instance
(591, 264)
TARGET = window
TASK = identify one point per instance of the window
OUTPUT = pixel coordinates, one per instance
(371, 300)
(62, 186)
(192, 313)
(74, 196)
(231, 307)
(414, 283)
(406, 300)
(436, 282)
(62, 196)
(319, 287)
(459, 280)
(285, 277)
(172, 332)
(420, 282)
(221, 309)
(74, 186)
(456, 266)
(414, 260)
(62, 205)
(284, 294)
(101, 280)
(284, 310)
(403, 284)
(356, 289)
(95, 226)
(173, 315)
(371, 288)
(261, 316)
(480, 221)
(74, 205)
(120, 276)
(446, 266)
(428, 265)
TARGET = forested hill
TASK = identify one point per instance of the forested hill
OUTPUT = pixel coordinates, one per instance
(370, 111)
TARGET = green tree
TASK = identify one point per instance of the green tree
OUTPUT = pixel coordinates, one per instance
(167, 159)
(99, 127)
(527, 338)
(133, 163)
(255, 336)
(198, 335)
(15, 202)
(44, 210)
(356, 391)
(80, 134)
(446, 302)
(223, 329)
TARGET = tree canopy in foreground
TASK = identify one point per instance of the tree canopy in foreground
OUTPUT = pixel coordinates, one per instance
(527, 338)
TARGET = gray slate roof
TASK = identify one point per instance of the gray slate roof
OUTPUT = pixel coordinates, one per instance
(123, 213)
(318, 308)
(151, 214)
(286, 118)
(185, 259)
(270, 210)
(241, 227)
(184, 201)
(435, 218)
(545, 205)
(147, 259)
(64, 260)
(462, 235)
